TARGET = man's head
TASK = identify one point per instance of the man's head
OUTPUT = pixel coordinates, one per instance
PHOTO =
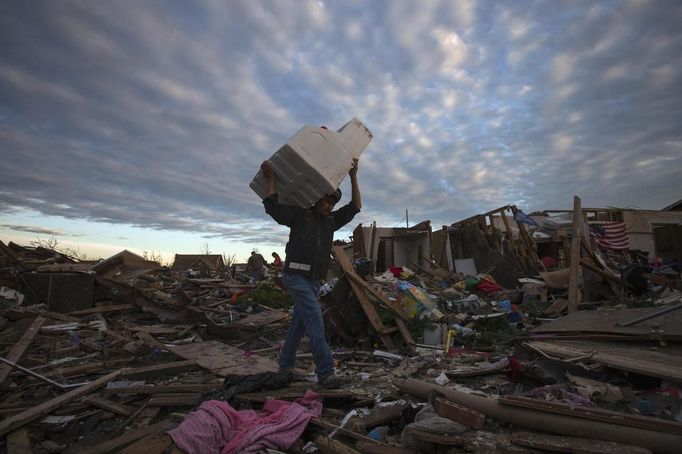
(325, 205)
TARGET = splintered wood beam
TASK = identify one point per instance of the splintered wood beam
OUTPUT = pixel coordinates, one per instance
(574, 277)
(360, 294)
(399, 318)
(18, 420)
(19, 348)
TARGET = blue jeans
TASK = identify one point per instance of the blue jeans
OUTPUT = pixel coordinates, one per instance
(307, 319)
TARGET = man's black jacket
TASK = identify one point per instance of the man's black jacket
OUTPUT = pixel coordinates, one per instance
(310, 237)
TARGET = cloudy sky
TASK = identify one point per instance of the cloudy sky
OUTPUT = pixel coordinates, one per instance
(139, 124)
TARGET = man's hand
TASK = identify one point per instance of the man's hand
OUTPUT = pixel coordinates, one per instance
(270, 176)
(353, 172)
(267, 170)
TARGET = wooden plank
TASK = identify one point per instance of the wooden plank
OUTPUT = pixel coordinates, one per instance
(574, 277)
(223, 360)
(159, 369)
(177, 400)
(289, 394)
(366, 305)
(76, 370)
(108, 405)
(18, 442)
(29, 415)
(560, 443)
(130, 436)
(167, 389)
(402, 327)
(104, 309)
(459, 413)
(584, 262)
(527, 240)
(149, 444)
(19, 348)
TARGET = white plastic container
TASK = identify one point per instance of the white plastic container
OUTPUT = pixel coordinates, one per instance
(314, 162)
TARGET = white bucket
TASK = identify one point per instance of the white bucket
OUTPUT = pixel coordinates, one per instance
(314, 162)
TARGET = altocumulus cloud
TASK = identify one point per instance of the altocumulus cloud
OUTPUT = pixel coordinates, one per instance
(157, 114)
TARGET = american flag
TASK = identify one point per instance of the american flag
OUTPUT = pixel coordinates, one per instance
(611, 235)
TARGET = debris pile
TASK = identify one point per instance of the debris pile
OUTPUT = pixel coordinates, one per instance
(504, 332)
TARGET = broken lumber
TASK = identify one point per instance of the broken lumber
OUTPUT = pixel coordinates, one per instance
(19, 348)
(548, 422)
(574, 277)
(29, 415)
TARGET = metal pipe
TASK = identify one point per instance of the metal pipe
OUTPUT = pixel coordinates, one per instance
(549, 422)
(30, 372)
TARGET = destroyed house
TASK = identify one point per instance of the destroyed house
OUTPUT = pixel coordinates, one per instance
(204, 265)
(656, 233)
(386, 247)
(124, 266)
(492, 243)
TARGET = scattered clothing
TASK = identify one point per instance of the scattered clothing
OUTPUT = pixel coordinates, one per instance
(217, 427)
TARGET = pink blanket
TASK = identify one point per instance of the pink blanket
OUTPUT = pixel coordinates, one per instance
(217, 427)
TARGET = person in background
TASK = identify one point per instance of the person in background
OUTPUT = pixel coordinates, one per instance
(307, 259)
(255, 264)
(277, 262)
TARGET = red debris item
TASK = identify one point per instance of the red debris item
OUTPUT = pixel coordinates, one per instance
(235, 296)
(488, 286)
(396, 271)
(516, 368)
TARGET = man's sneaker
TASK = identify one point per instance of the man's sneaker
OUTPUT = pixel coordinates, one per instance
(332, 382)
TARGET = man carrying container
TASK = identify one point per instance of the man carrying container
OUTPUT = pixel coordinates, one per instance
(307, 259)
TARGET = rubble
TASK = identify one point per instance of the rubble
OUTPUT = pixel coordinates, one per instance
(453, 341)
